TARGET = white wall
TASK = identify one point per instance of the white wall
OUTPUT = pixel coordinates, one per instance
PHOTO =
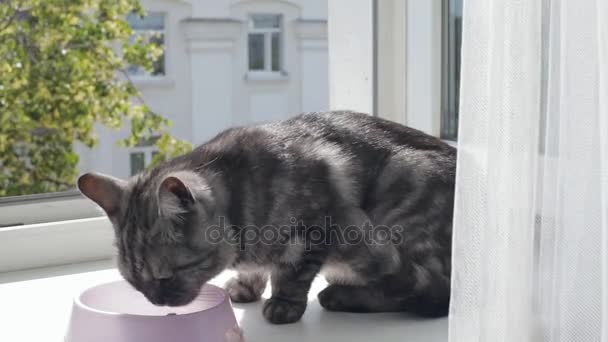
(310, 9)
(313, 9)
(213, 93)
(211, 48)
(351, 59)
(315, 83)
(312, 46)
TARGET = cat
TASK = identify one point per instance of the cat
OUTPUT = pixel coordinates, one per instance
(364, 201)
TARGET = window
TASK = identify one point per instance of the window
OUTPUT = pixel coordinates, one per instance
(142, 155)
(264, 42)
(417, 54)
(138, 162)
(452, 40)
(151, 29)
(140, 159)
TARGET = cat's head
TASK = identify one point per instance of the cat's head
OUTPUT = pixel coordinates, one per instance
(161, 224)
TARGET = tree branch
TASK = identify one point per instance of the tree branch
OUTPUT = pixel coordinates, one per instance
(12, 18)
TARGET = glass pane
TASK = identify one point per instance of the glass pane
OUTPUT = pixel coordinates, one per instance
(276, 51)
(158, 68)
(451, 73)
(138, 162)
(261, 21)
(256, 51)
(152, 21)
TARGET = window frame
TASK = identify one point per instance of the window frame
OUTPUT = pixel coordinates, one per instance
(404, 90)
(449, 96)
(267, 34)
(354, 85)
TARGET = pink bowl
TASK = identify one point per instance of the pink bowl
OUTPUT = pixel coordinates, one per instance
(115, 312)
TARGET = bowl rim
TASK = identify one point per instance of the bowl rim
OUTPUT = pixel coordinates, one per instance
(78, 302)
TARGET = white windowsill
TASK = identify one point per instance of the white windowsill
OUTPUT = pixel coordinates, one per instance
(44, 208)
(36, 306)
(450, 142)
(55, 243)
(266, 76)
(153, 81)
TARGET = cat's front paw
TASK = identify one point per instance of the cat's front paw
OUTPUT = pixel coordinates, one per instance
(281, 311)
(242, 292)
(337, 298)
(331, 298)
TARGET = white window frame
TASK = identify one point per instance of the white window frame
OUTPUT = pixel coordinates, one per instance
(267, 32)
(52, 229)
(394, 68)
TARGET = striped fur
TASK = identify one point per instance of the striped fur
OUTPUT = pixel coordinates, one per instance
(312, 179)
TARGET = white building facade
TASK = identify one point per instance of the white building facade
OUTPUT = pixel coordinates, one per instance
(226, 63)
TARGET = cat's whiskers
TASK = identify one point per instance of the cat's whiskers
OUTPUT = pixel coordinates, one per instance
(206, 164)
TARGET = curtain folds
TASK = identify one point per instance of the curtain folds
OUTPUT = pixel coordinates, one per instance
(530, 254)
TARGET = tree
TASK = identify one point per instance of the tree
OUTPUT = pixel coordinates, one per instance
(62, 70)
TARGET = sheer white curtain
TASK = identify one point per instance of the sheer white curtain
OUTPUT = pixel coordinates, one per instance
(531, 220)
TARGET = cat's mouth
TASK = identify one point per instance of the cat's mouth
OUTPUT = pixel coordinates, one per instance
(172, 302)
(173, 299)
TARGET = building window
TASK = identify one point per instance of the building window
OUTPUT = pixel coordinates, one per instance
(142, 154)
(452, 39)
(140, 159)
(264, 42)
(151, 28)
(138, 162)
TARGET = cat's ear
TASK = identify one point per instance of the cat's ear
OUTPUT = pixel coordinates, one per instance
(174, 197)
(104, 190)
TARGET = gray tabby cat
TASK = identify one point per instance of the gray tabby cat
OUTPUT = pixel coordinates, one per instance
(364, 201)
